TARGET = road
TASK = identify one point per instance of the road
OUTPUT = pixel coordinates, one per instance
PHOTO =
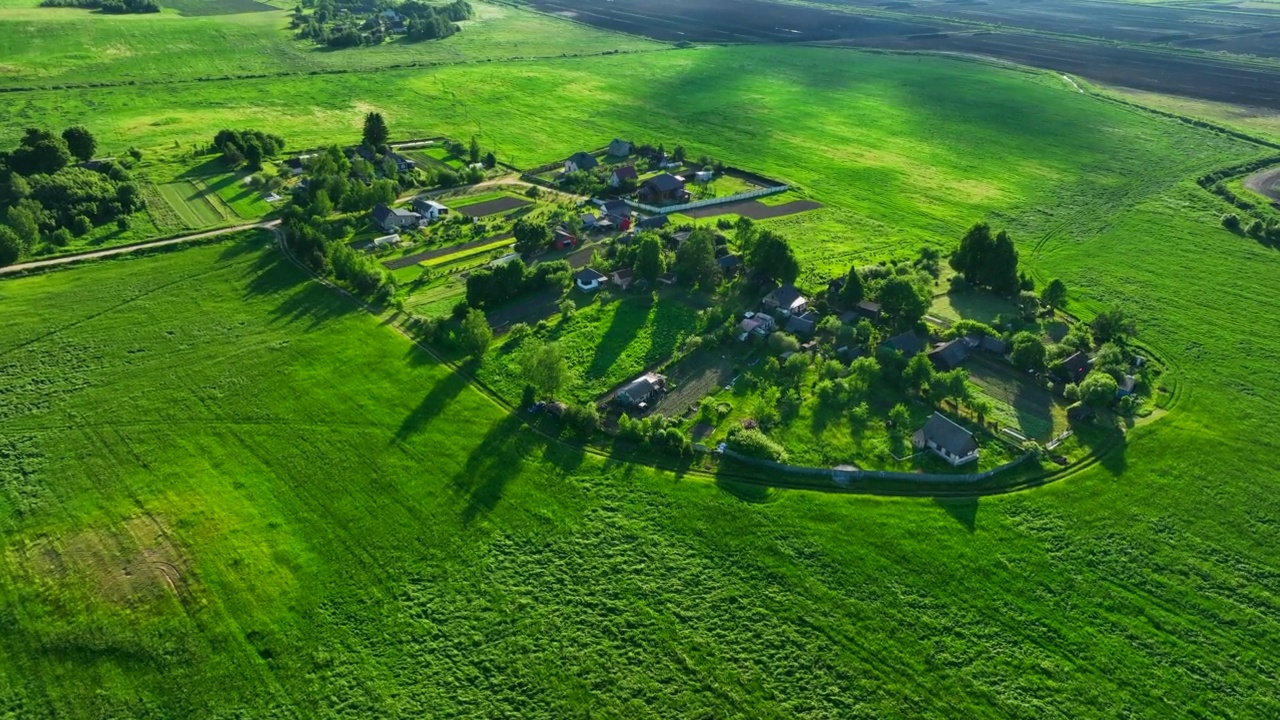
(121, 250)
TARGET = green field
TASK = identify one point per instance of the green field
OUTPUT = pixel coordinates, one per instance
(228, 492)
(94, 48)
(196, 206)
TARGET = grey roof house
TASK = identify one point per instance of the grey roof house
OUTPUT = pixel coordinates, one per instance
(580, 161)
(785, 298)
(639, 392)
(619, 148)
(908, 343)
(947, 440)
(389, 218)
(949, 356)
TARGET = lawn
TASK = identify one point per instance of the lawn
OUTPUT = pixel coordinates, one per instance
(194, 205)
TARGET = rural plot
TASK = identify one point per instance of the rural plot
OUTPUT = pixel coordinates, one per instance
(1018, 402)
(195, 206)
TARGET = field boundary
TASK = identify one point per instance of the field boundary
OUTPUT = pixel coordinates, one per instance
(842, 475)
(736, 197)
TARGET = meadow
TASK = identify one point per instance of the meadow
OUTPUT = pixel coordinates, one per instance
(225, 491)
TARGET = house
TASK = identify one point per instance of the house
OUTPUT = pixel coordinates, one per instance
(757, 324)
(1075, 367)
(588, 220)
(621, 174)
(663, 188)
(403, 164)
(908, 343)
(619, 148)
(950, 355)
(623, 278)
(580, 161)
(679, 239)
(386, 240)
(786, 299)
(730, 265)
(389, 218)
(588, 280)
(802, 324)
(867, 309)
(653, 222)
(848, 354)
(294, 166)
(946, 439)
(668, 278)
(430, 210)
(639, 392)
(562, 239)
(1126, 386)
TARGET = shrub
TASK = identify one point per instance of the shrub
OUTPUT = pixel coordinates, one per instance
(1231, 221)
(753, 443)
(780, 342)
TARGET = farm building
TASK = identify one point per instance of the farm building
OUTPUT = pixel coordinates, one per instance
(663, 188)
(619, 148)
(867, 309)
(947, 440)
(580, 161)
(563, 239)
(730, 265)
(755, 324)
(1075, 367)
(1126, 386)
(389, 218)
(588, 280)
(638, 392)
(386, 241)
(653, 222)
(802, 324)
(621, 174)
(907, 343)
(623, 278)
(993, 345)
(950, 355)
(429, 209)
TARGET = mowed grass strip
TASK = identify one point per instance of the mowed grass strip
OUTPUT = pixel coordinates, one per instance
(190, 203)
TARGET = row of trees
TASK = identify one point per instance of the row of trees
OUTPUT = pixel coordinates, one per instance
(487, 287)
(247, 146)
(987, 261)
(112, 7)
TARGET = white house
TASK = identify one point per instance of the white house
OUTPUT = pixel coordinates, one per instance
(623, 173)
(588, 280)
(947, 440)
(580, 161)
(386, 240)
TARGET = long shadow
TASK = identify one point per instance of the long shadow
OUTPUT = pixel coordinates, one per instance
(215, 165)
(746, 492)
(441, 395)
(499, 457)
(1106, 444)
(622, 329)
(965, 511)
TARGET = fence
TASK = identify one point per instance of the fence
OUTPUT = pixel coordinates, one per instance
(738, 197)
(842, 476)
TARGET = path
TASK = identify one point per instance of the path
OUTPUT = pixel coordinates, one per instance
(1266, 183)
(123, 249)
(1071, 80)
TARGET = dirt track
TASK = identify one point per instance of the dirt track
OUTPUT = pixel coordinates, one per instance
(493, 207)
(1265, 182)
(407, 260)
(754, 209)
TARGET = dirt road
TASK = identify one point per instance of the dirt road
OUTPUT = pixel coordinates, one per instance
(1265, 182)
(65, 259)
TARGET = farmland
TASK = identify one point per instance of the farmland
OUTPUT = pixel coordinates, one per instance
(228, 491)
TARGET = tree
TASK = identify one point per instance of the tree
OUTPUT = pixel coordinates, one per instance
(253, 155)
(696, 259)
(24, 225)
(490, 160)
(902, 301)
(530, 236)
(1028, 351)
(544, 368)
(1113, 324)
(1054, 295)
(971, 256)
(1231, 221)
(952, 385)
(375, 130)
(852, 293)
(650, 263)
(10, 246)
(744, 234)
(1098, 389)
(772, 255)
(321, 205)
(678, 154)
(80, 142)
(1028, 305)
(918, 373)
(476, 334)
(1000, 271)
(474, 150)
(40, 154)
(899, 419)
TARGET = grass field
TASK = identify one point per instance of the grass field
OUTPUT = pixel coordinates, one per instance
(194, 205)
(225, 492)
(94, 48)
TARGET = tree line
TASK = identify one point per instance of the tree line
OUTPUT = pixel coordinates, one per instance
(112, 7)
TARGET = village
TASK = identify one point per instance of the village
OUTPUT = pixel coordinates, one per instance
(641, 295)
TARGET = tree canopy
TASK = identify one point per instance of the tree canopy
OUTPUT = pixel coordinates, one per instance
(986, 261)
(852, 292)
(696, 259)
(375, 130)
(771, 254)
(650, 262)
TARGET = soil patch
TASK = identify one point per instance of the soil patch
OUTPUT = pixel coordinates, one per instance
(754, 209)
(493, 207)
(528, 309)
(1266, 183)
(694, 378)
(407, 260)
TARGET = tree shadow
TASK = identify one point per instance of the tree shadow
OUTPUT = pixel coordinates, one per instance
(622, 329)
(1107, 444)
(746, 492)
(963, 510)
(499, 457)
(215, 165)
(435, 401)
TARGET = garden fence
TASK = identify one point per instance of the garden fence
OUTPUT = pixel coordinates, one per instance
(737, 197)
(842, 476)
